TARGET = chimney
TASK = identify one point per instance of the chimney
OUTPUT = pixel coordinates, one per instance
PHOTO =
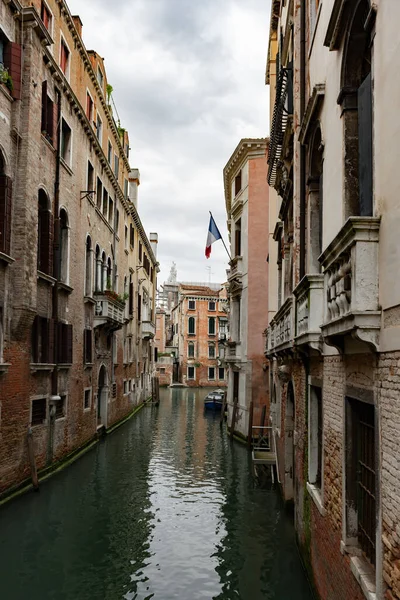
(78, 24)
(134, 182)
(154, 242)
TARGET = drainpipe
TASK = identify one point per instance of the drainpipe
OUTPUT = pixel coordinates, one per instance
(302, 148)
(55, 397)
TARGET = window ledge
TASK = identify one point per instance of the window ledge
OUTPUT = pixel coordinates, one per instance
(41, 367)
(88, 365)
(48, 278)
(365, 575)
(64, 366)
(66, 166)
(48, 143)
(4, 367)
(4, 89)
(65, 287)
(103, 218)
(315, 493)
(6, 258)
(89, 300)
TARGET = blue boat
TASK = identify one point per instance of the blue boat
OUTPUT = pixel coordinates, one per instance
(214, 400)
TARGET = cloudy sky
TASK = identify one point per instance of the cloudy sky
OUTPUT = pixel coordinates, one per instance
(188, 81)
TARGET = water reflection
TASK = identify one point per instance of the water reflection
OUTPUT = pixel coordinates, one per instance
(164, 508)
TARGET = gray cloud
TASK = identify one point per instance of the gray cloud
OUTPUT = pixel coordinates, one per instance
(188, 83)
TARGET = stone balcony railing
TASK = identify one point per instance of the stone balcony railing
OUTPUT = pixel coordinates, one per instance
(231, 352)
(108, 311)
(351, 290)
(309, 310)
(236, 270)
(279, 335)
(148, 329)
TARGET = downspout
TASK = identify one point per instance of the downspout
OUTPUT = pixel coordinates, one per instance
(55, 397)
(302, 147)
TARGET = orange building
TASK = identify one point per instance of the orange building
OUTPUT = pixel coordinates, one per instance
(200, 321)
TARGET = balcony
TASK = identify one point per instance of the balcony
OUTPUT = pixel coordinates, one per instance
(351, 303)
(309, 311)
(109, 311)
(281, 329)
(148, 330)
(235, 275)
(231, 353)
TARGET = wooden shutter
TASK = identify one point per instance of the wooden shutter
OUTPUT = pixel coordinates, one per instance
(54, 123)
(69, 343)
(46, 242)
(44, 107)
(365, 146)
(131, 298)
(87, 344)
(12, 60)
(51, 358)
(5, 213)
(139, 307)
(35, 340)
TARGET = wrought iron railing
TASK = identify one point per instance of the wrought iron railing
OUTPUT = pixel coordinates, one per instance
(282, 110)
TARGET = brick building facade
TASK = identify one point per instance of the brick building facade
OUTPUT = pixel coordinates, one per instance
(77, 271)
(333, 338)
(199, 322)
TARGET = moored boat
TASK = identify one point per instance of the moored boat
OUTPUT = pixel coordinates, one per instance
(214, 400)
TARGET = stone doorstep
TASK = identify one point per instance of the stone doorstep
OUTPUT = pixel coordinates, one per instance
(365, 576)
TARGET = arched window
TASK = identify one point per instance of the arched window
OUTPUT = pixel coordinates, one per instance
(64, 246)
(88, 266)
(191, 326)
(104, 271)
(45, 235)
(191, 350)
(109, 282)
(5, 208)
(211, 350)
(98, 269)
(314, 202)
(357, 114)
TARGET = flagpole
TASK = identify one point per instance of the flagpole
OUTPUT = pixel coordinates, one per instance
(222, 239)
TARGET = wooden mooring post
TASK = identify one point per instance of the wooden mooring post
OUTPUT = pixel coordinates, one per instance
(223, 410)
(233, 421)
(250, 431)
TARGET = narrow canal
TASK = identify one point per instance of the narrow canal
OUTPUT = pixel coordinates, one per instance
(163, 508)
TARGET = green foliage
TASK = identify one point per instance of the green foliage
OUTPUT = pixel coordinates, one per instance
(6, 78)
(109, 90)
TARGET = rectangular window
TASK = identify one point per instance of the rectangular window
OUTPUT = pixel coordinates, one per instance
(191, 350)
(99, 193)
(211, 325)
(88, 346)
(46, 16)
(126, 188)
(61, 406)
(99, 129)
(64, 57)
(87, 398)
(90, 178)
(221, 373)
(89, 107)
(39, 411)
(49, 116)
(126, 237)
(211, 351)
(315, 436)
(116, 225)
(131, 297)
(5, 213)
(190, 373)
(105, 202)
(192, 304)
(109, 152)
(11, 59)
(211, 305)
(361, 475)
(116, 166)
(140, 251)
(131, 236)
(110, 210)
(162, 370)
(211, 372)
(66, 142)
(42, 340)
(238, 238)
(238, 183)
(191, 326)
(125, 386)
(100, 78)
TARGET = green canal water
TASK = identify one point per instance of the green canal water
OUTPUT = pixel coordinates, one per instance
(164, 508)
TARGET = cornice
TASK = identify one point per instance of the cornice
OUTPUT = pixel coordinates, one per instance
(247, 149)
(275, 12)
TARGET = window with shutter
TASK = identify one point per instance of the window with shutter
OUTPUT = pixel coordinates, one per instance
(191, 326)
(131, 299)
(49, 116)
(238, 238)
(39, 411)
(99, 193)
(87, 346)
(64, 343)
(238, 183)
(132, 236)
(211, 326)
(89, 107)
(12, 56)
(43, 340)
(45, 236)
(5, 213)
(64, 58)
(46, 16)
(139, 307)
